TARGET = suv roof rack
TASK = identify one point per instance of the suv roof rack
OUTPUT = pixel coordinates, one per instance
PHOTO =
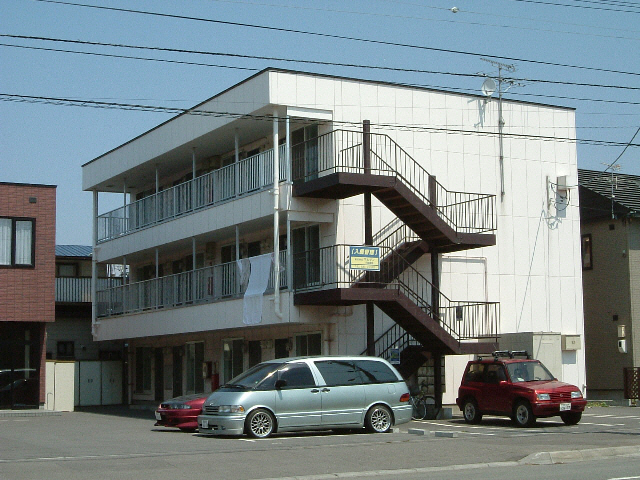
(505, 354)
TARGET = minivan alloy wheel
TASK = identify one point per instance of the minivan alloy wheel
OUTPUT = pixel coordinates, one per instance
(260, 423)
(378, 419)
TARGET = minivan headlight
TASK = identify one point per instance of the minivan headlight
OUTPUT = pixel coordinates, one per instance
(576, 394)
(543, 396)
(231, 409)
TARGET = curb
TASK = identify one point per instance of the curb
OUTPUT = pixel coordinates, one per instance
(568, 456)
(28, 413)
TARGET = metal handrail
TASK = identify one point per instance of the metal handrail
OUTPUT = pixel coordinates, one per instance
(203, 285)
(250, 175)
(342, 151)
(328, 267)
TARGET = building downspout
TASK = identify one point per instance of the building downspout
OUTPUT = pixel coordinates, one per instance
(94, 269)
(276, 216)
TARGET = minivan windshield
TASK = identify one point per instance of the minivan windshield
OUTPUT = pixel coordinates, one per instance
(528, 372)
(252, 377)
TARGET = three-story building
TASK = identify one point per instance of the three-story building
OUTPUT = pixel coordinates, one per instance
(244, 223)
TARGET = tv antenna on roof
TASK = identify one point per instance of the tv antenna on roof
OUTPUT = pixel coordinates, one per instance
(488, 88)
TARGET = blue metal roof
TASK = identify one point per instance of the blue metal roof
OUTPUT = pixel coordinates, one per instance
(73, 251)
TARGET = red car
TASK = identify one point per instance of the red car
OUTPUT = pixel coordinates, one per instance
(181, 412)
(520, 388)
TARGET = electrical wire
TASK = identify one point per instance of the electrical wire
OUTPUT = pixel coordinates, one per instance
(576, 6)
(334, 36)
(314, 62)
(431, 19)
(226, 114)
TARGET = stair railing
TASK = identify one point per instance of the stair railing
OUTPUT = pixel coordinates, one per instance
(329, 268)
(341, 151)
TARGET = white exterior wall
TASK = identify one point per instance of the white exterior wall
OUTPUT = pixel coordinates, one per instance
(533, 271)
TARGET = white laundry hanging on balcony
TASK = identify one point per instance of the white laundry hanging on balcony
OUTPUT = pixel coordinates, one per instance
(259, 275)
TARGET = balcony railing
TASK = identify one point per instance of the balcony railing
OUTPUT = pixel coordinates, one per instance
(78, 289)
(328, 268)
(253, 174)
(208, 284)
(342, 151)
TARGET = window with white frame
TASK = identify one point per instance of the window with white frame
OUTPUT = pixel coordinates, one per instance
(17, 242)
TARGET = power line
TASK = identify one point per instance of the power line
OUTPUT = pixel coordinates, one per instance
(334, 36)
(431, 19)
(314, 62)
(494, 14)
(195, 111)
(441, 87)
(577, 6)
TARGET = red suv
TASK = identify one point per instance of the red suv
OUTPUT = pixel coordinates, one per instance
(512, 384)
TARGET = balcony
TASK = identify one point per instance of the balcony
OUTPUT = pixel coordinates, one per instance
(248, 176)
(204, 285)
(78, 289)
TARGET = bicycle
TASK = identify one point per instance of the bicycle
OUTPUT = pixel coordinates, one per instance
(423, 405)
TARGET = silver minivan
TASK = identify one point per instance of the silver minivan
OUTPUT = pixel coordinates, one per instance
(308, 393)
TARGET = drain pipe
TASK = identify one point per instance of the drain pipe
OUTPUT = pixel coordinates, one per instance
(94, 269)
(276, 216)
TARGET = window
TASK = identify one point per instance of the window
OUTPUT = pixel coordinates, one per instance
(338, 372)
(67, 270)
(232, 358)
(306, 256)
(587, 255)
(255, 352)
(475, 373)
(195, 359)
(296, 375)
(144, 356)
(17, 242)
(494, 374)
(65, 350)
(308, 344)
(375, 372)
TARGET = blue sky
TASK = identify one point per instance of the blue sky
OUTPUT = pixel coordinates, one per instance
(576, 53)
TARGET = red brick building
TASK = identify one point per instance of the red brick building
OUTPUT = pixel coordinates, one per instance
(27, 290)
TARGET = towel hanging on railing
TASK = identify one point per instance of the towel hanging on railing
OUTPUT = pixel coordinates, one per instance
(259, 276)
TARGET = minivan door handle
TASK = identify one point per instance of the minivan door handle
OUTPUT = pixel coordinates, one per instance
(326, 389)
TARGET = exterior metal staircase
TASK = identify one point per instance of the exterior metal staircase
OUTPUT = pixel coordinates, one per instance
(430, 219)
(447, 220)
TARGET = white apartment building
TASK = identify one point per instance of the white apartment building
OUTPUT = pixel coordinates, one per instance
(272, 182)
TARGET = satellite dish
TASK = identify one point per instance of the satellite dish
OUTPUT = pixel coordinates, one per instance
(488, 87)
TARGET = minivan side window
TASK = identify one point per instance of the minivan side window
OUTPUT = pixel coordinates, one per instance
(297, 375)
(375, 372)
(338, 372)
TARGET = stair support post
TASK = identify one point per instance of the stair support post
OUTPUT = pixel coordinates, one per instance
(368, 230)
(437, 379)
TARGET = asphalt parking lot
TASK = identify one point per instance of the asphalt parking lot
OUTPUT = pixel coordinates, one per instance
(115, 441)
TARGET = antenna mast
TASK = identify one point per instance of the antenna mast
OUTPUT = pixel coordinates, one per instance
(508, 68)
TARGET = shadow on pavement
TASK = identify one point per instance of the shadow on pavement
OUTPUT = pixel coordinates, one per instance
(119, 411)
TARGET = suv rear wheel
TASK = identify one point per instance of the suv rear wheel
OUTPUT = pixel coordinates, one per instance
(523, 414)
(470, 411)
